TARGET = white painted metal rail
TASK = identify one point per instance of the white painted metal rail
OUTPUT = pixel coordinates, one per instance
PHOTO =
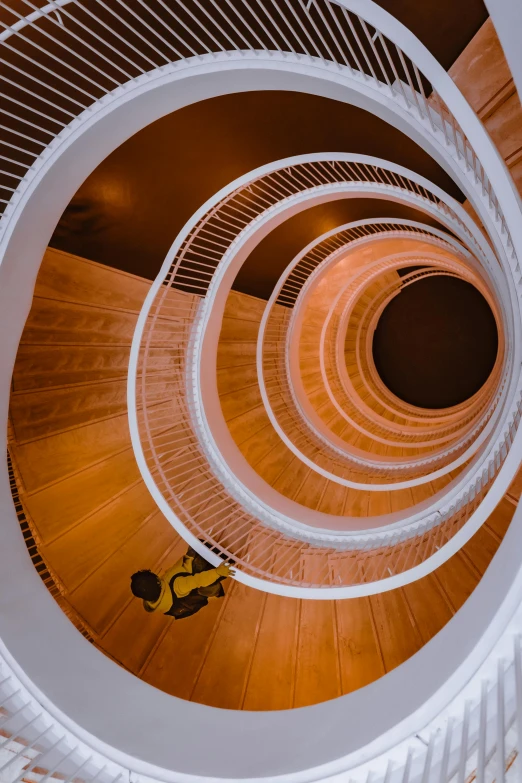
(275, 342)
(175, 451)
(61, 59)
(478, 735)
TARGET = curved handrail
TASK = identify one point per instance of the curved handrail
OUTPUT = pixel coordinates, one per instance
(346, 385)
(373, 14)
(446, 722)
(463, 151)
(445, 430)
(347, 298)
(229, 529)
(335, 39)
(297, 282)
(329, 246)
(363, 79)
(277, 336)
(315, 251)
(456, 412)
(293, 447)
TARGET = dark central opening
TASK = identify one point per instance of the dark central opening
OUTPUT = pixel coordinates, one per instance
(436, 342)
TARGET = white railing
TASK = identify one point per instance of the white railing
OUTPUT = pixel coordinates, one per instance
(276, 339)
(328, 248)
(483, 739)
(63, 59)
(477, 733)
(340, 318)
(274, 374)
(337, 378)
(36, 747)
(176, 452)
(297, 274)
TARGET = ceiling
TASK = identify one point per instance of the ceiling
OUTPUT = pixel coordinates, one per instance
(445, 27)
(268, 260)
(129, 211)
(436, 342)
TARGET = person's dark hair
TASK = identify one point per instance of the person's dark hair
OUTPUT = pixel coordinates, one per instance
(146, 585)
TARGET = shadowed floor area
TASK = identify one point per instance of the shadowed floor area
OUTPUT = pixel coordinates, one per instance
(435, 343)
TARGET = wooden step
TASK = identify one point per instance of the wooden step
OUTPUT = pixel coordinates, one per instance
(96, 524)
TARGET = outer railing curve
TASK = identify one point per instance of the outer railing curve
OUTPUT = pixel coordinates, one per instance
(212, 513)
(484, 728)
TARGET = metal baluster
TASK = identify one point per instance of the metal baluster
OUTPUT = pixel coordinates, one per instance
(25, 748)
(501, 729)
(376, 53)
(481, 752)
(277, 26)
(133, 30)
(343, 36)
(446, 752)
(408, 77)
(426, 772)
(82, 41)
(232, 25)
(64, 46)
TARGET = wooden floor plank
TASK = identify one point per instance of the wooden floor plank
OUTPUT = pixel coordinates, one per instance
(62, 505)
(82, 550)
(51, 459)
(398, 637)
(430, 610)
(359, 653)
(318, 675)
(457, 580)
(221, 682)
(102, 595)
(175, 664)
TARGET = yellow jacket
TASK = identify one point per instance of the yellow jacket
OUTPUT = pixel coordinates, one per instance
(182, 586)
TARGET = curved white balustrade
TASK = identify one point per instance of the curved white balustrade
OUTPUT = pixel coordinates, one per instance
(300, 282)
(315, 253)
(338, 325)
(282, 332)
(278, 381)
(466, 679)
(446, 429)
(206, 498)
(300, 399)
(86, 107)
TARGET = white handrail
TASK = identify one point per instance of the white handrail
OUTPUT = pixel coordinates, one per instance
(282, 338)
(232, 506)
(304, 283)
(446, 242)
(485, 171)
(487, 682)
(345, 302)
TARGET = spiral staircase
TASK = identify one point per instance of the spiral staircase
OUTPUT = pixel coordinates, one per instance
(372, 629)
